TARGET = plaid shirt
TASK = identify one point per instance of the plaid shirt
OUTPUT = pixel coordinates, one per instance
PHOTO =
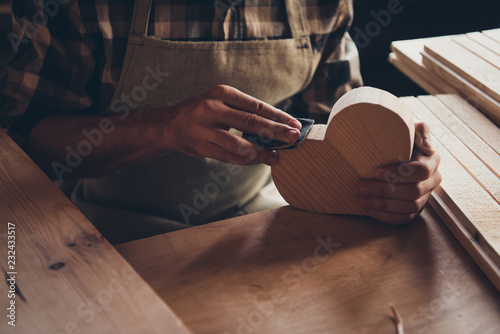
(72, 61)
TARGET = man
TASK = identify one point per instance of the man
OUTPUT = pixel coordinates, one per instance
(139, 102)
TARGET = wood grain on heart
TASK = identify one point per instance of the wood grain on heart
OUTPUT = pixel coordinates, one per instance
(368, 128)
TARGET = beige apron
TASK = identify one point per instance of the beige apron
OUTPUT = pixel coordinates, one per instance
(176, 191)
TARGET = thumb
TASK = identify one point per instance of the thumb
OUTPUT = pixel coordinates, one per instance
(423, 141)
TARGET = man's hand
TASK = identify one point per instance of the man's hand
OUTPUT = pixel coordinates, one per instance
(199, 126)
(398, 194)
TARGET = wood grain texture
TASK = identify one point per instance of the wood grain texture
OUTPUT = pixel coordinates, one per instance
(259, 274)
(483, 101)
(440, 202)
(420, 78)
(494, 34)
(471, 67)
(462, 132)
(478, 49)
(485, 41)
(485, 176)
(475, 207)
(467, 65)
(368, 128)
(408, 58)
(475, 120)
(69, 279)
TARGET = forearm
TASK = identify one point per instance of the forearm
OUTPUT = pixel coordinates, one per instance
(72, 146)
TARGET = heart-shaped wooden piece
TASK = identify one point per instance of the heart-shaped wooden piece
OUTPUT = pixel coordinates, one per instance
(368, 128)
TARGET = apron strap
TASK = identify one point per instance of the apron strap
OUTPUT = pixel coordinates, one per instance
(142, 10)
(295, 18)
(140, 18)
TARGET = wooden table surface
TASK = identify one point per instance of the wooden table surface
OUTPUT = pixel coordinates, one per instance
(291, 271)
(67, 278)
(278, 271)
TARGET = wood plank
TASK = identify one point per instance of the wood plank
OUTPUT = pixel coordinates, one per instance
(408, 52)
(474, 69)
(417, 77)
(477, 210)
(485, 41)
(69, 279)
(466, 135)
(430, 73)
(475, 120)
(474, 95)
(486, 176)
(478, 49)
(269, 273)
(494, 34)
(410, 49)
(463, 235)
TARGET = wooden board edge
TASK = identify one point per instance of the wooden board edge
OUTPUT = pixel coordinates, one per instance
(477, 121)
(494, 34)
(484, 175)
(466, 239)
(417, 71)
(485, 103)
(467, 221)
(412, 75)
(466, 73)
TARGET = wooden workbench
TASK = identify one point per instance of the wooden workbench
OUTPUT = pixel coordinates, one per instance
(66, 277)
(291, 271)
(278, 271)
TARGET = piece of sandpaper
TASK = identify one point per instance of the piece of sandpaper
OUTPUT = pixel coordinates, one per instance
(270, 144)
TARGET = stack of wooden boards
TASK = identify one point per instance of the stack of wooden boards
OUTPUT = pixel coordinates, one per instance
(468, 65)
(468, 200)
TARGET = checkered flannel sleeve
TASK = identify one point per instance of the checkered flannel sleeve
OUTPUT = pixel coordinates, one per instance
(53, 65)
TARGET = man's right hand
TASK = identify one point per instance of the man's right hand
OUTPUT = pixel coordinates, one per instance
(200, 126)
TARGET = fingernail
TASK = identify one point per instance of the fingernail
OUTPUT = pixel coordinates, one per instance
(272, 159)
(365, 190)
(295, 124)
(427, 142)
(293, 135)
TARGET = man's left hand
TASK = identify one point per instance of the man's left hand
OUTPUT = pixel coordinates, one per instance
(398, 193)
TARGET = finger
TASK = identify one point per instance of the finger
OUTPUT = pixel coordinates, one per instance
(256, 124)
(215, 152)
(239, 100)
(392, 218)
(423, 140)
(420, 169)
(242, 148)
(393, 205)
(403, 191)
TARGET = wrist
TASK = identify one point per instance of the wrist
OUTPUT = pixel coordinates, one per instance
(153, 129)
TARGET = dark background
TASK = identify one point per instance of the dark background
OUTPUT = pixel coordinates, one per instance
(419, 18)
(5, 27)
